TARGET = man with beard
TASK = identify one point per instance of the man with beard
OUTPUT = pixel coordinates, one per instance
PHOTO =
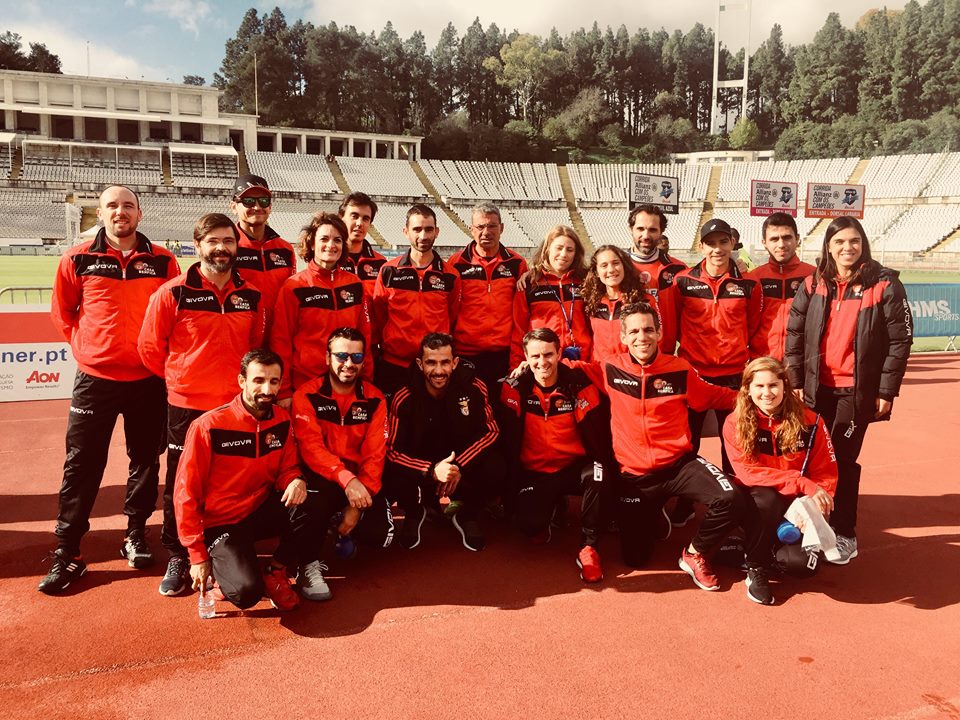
(441, 443)
(358, 211)
(100, 295)
(208, 317)
(340, 422)
(656, 267)
(239, 483)
(416, 293)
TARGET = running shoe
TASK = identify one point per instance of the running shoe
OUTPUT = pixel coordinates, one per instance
(470, 533)
(311, 581)
(176, 579)
(589, 563)
(281, 595)
(847, 547)
(758, 586)
(63, 571)
(136, 551)
(698, 567)
(410, 532)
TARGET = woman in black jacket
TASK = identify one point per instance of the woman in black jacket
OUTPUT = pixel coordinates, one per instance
(848, 340)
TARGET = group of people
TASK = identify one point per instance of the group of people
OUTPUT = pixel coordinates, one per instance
(453, 387)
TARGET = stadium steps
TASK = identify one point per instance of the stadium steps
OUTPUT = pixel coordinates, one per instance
(946, 241)
(709, 202)
(16, 163)
(858, 171)
(576, 219)
(435, 194)
(88, 217)
(344, 186)
(166, 169)
(243, 165)
(934, 171)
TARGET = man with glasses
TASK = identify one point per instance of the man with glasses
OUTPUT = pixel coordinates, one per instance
(341, 422)
(488, 281)
(263, 257)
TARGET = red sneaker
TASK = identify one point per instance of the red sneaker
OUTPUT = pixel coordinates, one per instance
(698, 567)
(589, 563)
(282, 596)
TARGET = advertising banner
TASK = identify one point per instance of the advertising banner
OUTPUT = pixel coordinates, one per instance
(830, 200)
(660, 190)
(35, 362)
(935, 309)
(770, 196)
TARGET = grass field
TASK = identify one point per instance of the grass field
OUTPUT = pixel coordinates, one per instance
(38, 271)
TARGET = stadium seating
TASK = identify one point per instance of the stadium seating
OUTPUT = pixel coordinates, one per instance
(608, 183)
(609, 226)
(899, 176)
(29, 213)
(919, 228)
(462, 180)
(751, 228)
(90, 164)
(392, 218)
(206, 170)
(945, 180)
(293, 172)
(735, 177)
(383, 178)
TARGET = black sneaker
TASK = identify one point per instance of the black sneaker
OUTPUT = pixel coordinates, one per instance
(136, 551)
(63, 571)
(410, 531)
(470, 532)
(175, 579)
(758, 586)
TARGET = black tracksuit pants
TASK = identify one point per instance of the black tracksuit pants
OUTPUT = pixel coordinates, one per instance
(539, 492)
(94, 409)
(178, 422)
(837, 407)
(326, 498)
(765, 511)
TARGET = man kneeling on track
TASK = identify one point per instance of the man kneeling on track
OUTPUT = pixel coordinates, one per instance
(557, 427)
(239, 482)
(442, 436)
(650, 394)
(340, 422)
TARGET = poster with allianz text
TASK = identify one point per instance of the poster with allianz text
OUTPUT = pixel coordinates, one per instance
(770, 196)
(660, 190)
(831, 200)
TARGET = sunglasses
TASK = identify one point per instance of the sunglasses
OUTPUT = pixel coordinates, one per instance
(249, 202)
(357, 358)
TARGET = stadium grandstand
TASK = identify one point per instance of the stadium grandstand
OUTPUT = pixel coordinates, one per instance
(65, 137)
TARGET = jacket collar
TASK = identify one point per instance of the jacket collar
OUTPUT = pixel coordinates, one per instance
(326, 387)
(435, 264)
(101, 245)
(195, 280)
(470, 252)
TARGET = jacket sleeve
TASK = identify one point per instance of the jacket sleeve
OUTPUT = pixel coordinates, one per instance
(153, 344)
(822, 468)
(702, 395)
(399, 440)
(750, 471)
(485, 429)
(312, 446)
(793, 353)
(282, 330)
(510, 419)
(896, 313)
(188, 498)
(289, 467)
(379, 310)
(66, 298)
(754, 309)
(365, 326)
(666, 305)
(373, 450)
(454, 298)
(521, 323)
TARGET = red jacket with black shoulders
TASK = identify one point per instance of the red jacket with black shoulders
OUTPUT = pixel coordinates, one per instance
(779, 283)
(266, 264)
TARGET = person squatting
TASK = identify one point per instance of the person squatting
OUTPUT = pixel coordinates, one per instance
(330, 405)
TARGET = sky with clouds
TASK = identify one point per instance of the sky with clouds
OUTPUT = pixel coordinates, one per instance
(167, 39)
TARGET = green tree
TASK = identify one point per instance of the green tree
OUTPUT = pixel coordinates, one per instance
(42, 60)
(236, 71)
(526, 68)
(745, 135)
(771, 69)
(879, 40)
(197, 80)
(444, 62)
(906, 64)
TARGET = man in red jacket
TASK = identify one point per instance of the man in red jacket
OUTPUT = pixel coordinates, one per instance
(239, 483)
(488, 281)
(263, 257)
(779, 279)
(358, 211)
(655, 265)
(416, 294)
(341, 425)
(195, 324)
(100, 295)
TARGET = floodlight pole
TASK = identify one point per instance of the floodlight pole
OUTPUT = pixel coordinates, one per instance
(718, 84)
(256, 90)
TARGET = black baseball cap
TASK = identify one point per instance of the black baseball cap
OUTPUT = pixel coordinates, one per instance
(249, 182)
(715, 226)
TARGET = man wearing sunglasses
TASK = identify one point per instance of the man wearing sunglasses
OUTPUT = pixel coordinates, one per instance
(340, 422)
(263, 257)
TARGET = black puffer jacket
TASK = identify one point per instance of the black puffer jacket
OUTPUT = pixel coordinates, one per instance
(881, 342)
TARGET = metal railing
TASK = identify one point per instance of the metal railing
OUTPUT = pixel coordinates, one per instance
(31, 294)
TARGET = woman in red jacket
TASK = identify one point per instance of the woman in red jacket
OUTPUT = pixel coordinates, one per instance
(552, 297)
(315, 302)
(779, 450)
(612, 282)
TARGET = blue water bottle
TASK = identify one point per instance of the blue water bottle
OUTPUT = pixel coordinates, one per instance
(788, 533)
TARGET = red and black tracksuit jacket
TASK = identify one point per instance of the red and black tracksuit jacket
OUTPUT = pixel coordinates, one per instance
(605, 325)
(716, 318)
(548, 429)
(659, 274)
(312, 304)
(648, 406)
(556, 303)
(100, 298)
(784, 472)
(881, 336)
(485, 318)
(342, 437)
(410, 302)
(231, 462)
(194, 336)
(365, 265)
(779, 283)
(267, 265)
(470, 427)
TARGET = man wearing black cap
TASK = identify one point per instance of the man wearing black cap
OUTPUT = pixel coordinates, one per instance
(264, 259)
(718, 311)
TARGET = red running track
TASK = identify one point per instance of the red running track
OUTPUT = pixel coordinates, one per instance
(440, 632)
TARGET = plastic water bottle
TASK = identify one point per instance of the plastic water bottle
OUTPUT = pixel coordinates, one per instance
(206, 605)
(345, 548)
(788, 533)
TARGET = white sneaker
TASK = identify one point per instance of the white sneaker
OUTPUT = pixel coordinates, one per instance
(312, 585)
(847, 547)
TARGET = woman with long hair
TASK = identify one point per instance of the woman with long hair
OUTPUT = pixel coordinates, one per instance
(553, 298)
(779, 450)
(316, 301)
(612, 282)
(848, 340)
